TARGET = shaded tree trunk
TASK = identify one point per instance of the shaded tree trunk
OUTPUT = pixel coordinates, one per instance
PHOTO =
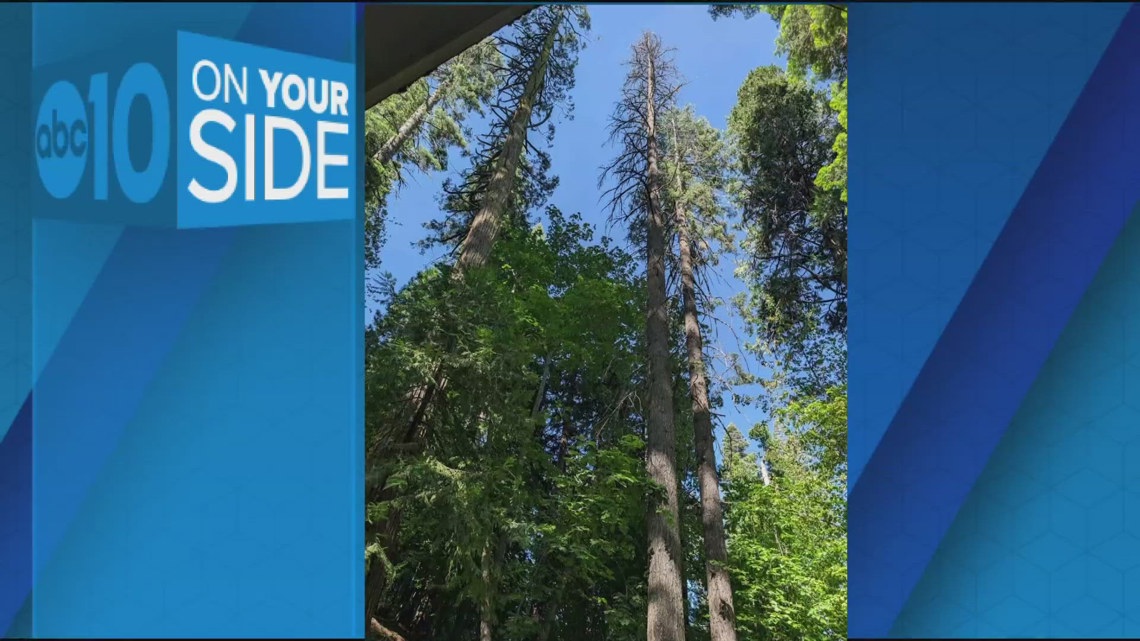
(666, 611)
(485, 609)
(476, 246)
(722, 617)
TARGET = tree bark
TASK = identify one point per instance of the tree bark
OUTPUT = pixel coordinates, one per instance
(666, 611)
(722, 617)
(476, 246)
(383, 633)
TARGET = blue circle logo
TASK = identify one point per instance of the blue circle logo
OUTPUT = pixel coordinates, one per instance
(62, 139)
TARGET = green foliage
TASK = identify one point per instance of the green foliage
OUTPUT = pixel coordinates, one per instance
(558, 490)
(833, 176)
(460, 87)
(813, 38)
(795, 234)
(788, 538)
(695, 162)
(728, 10)
(786, 512)
(797, 305)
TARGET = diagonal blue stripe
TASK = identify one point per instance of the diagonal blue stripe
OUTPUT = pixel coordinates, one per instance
(15, 510)
(958, 105)
(1042, 545)
(998, 339)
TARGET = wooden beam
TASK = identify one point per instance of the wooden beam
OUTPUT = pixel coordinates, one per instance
(405, 42)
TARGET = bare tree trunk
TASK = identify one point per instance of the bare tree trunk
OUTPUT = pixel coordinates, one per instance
(411, 125)
(383, 633)
(666, 611)
(722, 617)
(486, 610)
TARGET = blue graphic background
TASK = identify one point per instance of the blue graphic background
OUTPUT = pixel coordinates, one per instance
(196, 452)
(15, 313)
(993, 175)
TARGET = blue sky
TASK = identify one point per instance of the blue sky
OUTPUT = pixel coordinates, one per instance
(713, 56)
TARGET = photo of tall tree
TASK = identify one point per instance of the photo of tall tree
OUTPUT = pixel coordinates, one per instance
(606, 357)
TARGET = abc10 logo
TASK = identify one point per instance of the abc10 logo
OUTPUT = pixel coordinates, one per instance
(92, 130)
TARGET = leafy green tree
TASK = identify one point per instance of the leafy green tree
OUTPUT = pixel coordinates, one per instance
(525, 507)
(540, 52)
(814, 40)
(795, 234)
(796, 225)
(462, 84)
(502, 185)
(540, 406)
(788, 537)
(786, 507)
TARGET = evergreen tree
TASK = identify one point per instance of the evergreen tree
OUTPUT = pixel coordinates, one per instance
(795, 234)
(540, 53)
(696, 164)
(417, 128)
(649, 91)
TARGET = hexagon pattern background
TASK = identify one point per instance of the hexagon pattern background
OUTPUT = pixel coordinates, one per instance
(953, 109)
(15, 223)
(1048, 543)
